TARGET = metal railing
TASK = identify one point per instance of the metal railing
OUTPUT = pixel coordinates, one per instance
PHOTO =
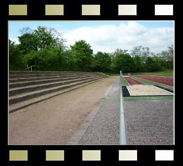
(30, 67)
(123, 139)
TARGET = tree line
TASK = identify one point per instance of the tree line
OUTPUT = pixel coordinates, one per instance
(45, 47)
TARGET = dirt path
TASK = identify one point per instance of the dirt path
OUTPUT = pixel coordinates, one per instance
(54, 121)
(163, 80)
(131, 81)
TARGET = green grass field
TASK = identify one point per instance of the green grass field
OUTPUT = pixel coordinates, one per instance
(166, 73)
(149, 98)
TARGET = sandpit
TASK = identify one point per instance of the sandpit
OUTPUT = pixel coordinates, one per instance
(139, 90)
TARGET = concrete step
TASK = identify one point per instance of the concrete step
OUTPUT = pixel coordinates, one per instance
(36, 81)
(40, 72)
(48, 73)
(24, 104)
(36, 75)
(19, 79)
(102, 74)
(41, 81)
(27, 88)
(29, 95)
(30, 88)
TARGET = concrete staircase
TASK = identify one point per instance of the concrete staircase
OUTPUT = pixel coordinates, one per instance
(27, 88)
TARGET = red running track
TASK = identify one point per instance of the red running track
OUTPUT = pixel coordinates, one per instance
(131, 81)
(162, 80)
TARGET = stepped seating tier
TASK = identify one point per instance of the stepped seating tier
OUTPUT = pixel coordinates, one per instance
(27, 88)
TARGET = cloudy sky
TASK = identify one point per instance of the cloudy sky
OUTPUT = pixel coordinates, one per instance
(107, 36)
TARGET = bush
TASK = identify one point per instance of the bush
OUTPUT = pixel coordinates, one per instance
(124, 62)
(152, 65)
(51, 58)
(15, 57)
(102, 62)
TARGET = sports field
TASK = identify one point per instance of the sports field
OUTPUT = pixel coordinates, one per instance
(148, 109)
(163, 80)
(139, 87)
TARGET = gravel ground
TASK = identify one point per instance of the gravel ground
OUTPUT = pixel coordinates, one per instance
(149, 122)
(54, 121)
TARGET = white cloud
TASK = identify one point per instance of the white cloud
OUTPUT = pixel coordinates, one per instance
(15, 40)
(107, 38)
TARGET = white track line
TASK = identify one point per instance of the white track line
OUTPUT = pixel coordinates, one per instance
(164, 90)
(128, 91)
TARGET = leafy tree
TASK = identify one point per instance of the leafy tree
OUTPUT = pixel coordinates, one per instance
(167, 57)
(170, 57)
(136, 51)
(103, 62)
(124, 62)
(116, 52)
(25, 30)
(152, 65)
(113, 67)
(141, 51)
(40, 38)
(46, 37)
(45, 47)
(15, 57)
(145, 53)
(51, 58)
(138, 64)
(28, 42)
(82, 54)
(120, 51)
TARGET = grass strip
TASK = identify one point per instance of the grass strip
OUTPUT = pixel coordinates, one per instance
(166, 73)
(148, 98)
(124, 82)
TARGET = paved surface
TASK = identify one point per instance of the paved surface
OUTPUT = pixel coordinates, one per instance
(149, 122)
(104, 128)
